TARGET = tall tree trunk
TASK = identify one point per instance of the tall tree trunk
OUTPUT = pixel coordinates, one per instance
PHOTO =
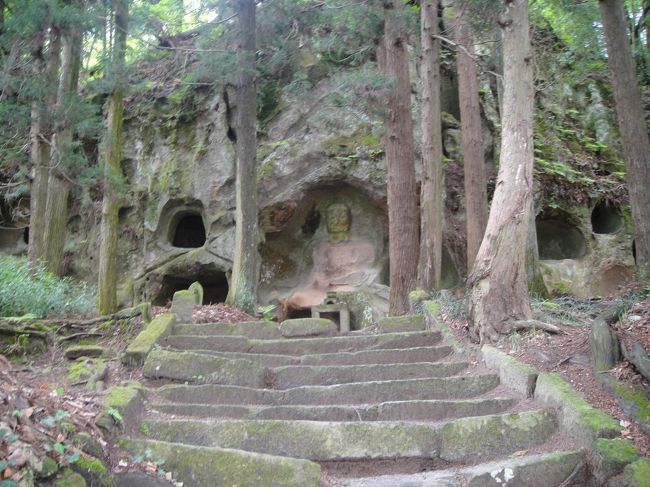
(498, 284)
(246, 265)
(398, 144)
(41, 135)
(432, 188)
(56, 211)
(110, 157)
(632, 126)
(476, 205)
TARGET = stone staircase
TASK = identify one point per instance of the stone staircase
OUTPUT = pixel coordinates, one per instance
(248, 404)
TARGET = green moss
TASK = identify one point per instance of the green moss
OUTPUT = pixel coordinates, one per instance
(637, 397)
(418, 295)
(121, 396)
(346, 146)
(144, 342)
(618, 450)
(640, 471)
(144, 429)
(106, 325)
(86, 370)
(585, 414)
(95, 470)
(433, 308)
(213, 466)
(69, 478)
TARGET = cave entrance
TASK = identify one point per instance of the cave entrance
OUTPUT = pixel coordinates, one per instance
(558, 238)
(215, 288)
(188, 231)
(606, 218)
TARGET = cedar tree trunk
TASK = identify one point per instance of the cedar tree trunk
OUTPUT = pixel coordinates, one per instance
(110, 157)
(246, 266)
(498, 290)
(398, 143)
(476, 204)
(432, 188)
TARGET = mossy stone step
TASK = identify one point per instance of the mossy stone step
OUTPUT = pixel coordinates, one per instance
(251, 329)
(544, 470)
(392, 324)
(296, 376)
(364, 357)
(207, 467)
(462, 387)
(301, 346)
(457, 440)
(200, 368)
(389, 411)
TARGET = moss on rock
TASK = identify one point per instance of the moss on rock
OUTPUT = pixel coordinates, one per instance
(159, 327)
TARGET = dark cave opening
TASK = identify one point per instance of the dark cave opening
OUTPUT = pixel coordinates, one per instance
(189, 231)
(558, 238)
(606, 218)
(215, 288)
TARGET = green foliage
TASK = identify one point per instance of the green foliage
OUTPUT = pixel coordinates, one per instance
(40, 293)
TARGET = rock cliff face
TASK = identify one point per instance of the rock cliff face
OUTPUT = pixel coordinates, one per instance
(179, 156)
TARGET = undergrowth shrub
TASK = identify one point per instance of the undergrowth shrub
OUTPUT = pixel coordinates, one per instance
(40, 293)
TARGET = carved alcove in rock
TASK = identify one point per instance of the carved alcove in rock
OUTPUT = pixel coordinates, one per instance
(334, 239)
(13, 240)
(215, 287)
(559, 236)
(606, 218)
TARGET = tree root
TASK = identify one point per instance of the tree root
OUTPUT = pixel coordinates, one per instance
(520, 325)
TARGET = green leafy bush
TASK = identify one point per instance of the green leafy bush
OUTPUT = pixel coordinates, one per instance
(40, 293)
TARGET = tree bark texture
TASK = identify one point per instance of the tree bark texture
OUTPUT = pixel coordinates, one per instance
(632, 126)
(398, 143)
(41, 136)
(476, 205)
(246, 266)
(498, 285)
(432, 187)
(56, 211)
(110, 157)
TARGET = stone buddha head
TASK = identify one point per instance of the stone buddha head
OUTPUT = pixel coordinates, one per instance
(339, 218)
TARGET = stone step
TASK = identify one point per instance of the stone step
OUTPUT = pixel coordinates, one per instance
(302, 346)
(296, 376)
(454, 441)
(210, 369)
(462, 387)
(387, 411)
(264, 330)
(544, 470)
(364, 357)
(198, 466)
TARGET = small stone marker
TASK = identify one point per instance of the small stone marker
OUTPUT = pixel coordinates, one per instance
(183, 305)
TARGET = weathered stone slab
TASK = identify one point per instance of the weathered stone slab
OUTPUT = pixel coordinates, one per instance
(462, 387)
(295, 376)
(434, 410)
(636, 474)
(308, 327)
(204, 369)
(127, 400)
(395, 324)
(209, 467)
(457, 440)
(512, 373)
(160, 327)
(578, 419)
(250, 329)
(546, 470)
(300, 346)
